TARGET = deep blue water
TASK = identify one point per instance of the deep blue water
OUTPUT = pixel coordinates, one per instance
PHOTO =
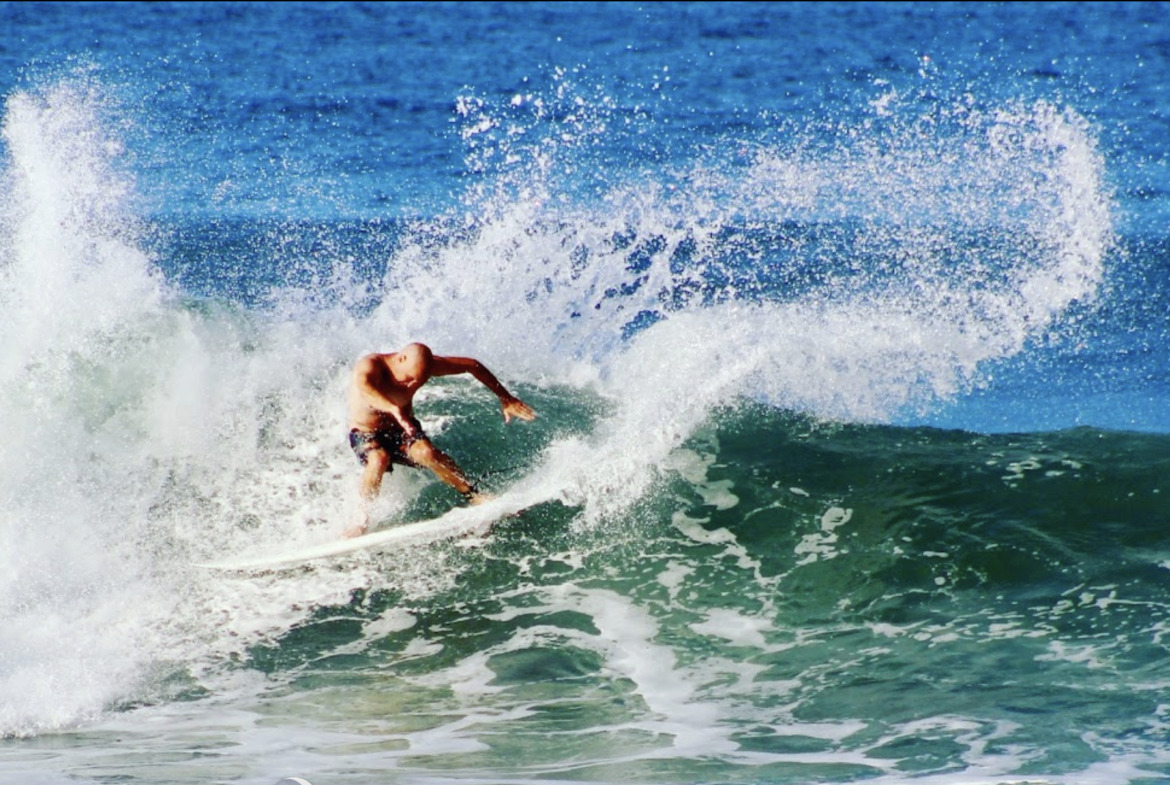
(844, 322)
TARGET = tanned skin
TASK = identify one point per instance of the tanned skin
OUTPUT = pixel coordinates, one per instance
(381, 398)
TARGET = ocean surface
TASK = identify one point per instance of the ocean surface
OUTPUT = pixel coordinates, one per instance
(845, 323)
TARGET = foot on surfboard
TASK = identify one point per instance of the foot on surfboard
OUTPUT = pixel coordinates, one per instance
(478, 497)
(359, 526)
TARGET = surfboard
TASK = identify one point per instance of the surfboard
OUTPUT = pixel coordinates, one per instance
(458, 522)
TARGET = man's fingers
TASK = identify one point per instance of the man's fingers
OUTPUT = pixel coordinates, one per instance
(518, 409)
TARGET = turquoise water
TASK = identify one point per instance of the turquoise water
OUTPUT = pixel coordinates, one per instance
(843, 323)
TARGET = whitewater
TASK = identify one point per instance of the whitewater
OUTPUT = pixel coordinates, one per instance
(850, 456)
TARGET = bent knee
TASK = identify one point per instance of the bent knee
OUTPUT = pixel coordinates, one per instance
(377, 460)
(422, 451)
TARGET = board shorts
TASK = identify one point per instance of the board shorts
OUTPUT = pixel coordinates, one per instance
(393, 440)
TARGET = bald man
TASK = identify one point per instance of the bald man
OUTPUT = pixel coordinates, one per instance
(384, 431)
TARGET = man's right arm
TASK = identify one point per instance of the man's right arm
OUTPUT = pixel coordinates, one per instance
(371, 378)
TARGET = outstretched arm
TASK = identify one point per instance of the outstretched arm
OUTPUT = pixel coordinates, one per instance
(512, 406)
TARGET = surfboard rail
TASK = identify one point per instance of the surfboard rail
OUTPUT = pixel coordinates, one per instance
(455, 523)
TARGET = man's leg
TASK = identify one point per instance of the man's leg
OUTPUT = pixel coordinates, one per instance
(427, 455)
(377, 462)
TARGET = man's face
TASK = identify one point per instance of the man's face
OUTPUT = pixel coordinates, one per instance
(411, 368)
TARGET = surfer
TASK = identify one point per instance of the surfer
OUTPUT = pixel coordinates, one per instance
(384, 431)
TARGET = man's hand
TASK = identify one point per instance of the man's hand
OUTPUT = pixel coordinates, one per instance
(514, 407)
(405, 423)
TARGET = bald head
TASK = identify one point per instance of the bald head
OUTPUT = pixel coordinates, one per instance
(412, 363)
(417, 353)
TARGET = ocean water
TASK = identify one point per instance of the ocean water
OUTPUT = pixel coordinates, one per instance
(845, 324)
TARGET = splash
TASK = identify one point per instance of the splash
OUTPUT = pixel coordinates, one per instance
(71, 279)
(138, 427)
(850, 271)
(854, 270)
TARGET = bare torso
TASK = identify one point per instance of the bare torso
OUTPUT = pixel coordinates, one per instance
(375, 395)
(381, 399)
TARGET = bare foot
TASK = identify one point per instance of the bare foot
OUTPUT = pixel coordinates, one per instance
(360, 525)
(479, 497)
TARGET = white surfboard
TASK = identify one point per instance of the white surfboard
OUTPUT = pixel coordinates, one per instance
(459, 522)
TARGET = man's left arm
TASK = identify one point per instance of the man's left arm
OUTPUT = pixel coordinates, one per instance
(512, 406)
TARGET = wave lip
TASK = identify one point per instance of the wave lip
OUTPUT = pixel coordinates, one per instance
(851, 277)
